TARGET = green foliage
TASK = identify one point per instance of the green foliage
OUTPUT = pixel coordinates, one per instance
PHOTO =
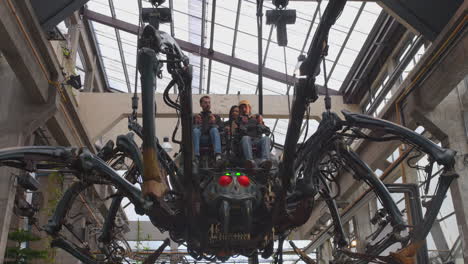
(21, 236)
(19, 255)
(55, 192)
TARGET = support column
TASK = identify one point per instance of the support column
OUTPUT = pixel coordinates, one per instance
(448, 117)
(174, 259)
(7, 199)
(439, 240)
(363, 227)
(74, 33)
(325, 253)
(19, 117)
(89, 79)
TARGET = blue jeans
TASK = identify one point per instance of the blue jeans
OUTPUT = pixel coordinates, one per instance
(213, 138)
(262, 144)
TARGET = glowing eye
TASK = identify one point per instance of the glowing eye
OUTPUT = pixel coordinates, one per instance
(238, 174)
(243, 180)
(224, 180)
(228, 174)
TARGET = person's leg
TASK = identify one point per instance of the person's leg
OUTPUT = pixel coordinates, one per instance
(196, 141)
(265, 145)
(215, 140)
(246, 143)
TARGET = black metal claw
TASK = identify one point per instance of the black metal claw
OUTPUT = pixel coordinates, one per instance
(339, 232)
(109, 223)
(363, 171)
(443, 156)
(224, 210)
(70, 248)
(91, 163)
(55, 222)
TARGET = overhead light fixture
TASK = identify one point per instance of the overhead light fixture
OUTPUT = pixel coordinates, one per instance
(166, 145)
(280, 18)
(353, 243)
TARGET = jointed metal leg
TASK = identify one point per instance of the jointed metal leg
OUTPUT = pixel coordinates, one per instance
(365, 173)
(109, 223)
(441, 155)
(68, 247)
(63, 207)
(339, 232)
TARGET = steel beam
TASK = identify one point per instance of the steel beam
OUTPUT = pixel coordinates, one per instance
(415, 14)
(368, 63)
(204, 52)
(21, 54)
(50, 13)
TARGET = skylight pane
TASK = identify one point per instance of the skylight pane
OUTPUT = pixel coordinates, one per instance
(129, 49)
(99, 6)
(246, 47)
(179, 5)
(369, 16)
(62, 27)
(243, 82)
(298, 31)
(223, 39)
(195, 62)
(312, 32)
(106, 39)
(273, 87)
(276, 59)
(313, 125)
(226, 12)
(248, 20)
(127, 11)
(340, 30)
(181, 22)
(219, 78)
(280, 131)
(373, 8)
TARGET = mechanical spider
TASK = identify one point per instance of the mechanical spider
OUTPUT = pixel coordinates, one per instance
(221, 213)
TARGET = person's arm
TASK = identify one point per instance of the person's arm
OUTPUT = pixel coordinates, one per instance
(217, 121)
(197, 119)
(260, 119)
(262, 128)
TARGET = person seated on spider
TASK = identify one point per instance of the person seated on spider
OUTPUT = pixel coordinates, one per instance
(230, 130)
(206, 130)
(251, 129)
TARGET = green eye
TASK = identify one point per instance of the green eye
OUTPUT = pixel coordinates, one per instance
(228, 174)
(238, 174)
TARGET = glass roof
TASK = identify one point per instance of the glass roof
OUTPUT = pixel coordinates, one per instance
(345, 39)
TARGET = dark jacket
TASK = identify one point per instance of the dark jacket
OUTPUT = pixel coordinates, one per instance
(206, 126)
(249, 126)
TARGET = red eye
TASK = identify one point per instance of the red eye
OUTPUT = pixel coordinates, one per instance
(243, 180)
(224, 180)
